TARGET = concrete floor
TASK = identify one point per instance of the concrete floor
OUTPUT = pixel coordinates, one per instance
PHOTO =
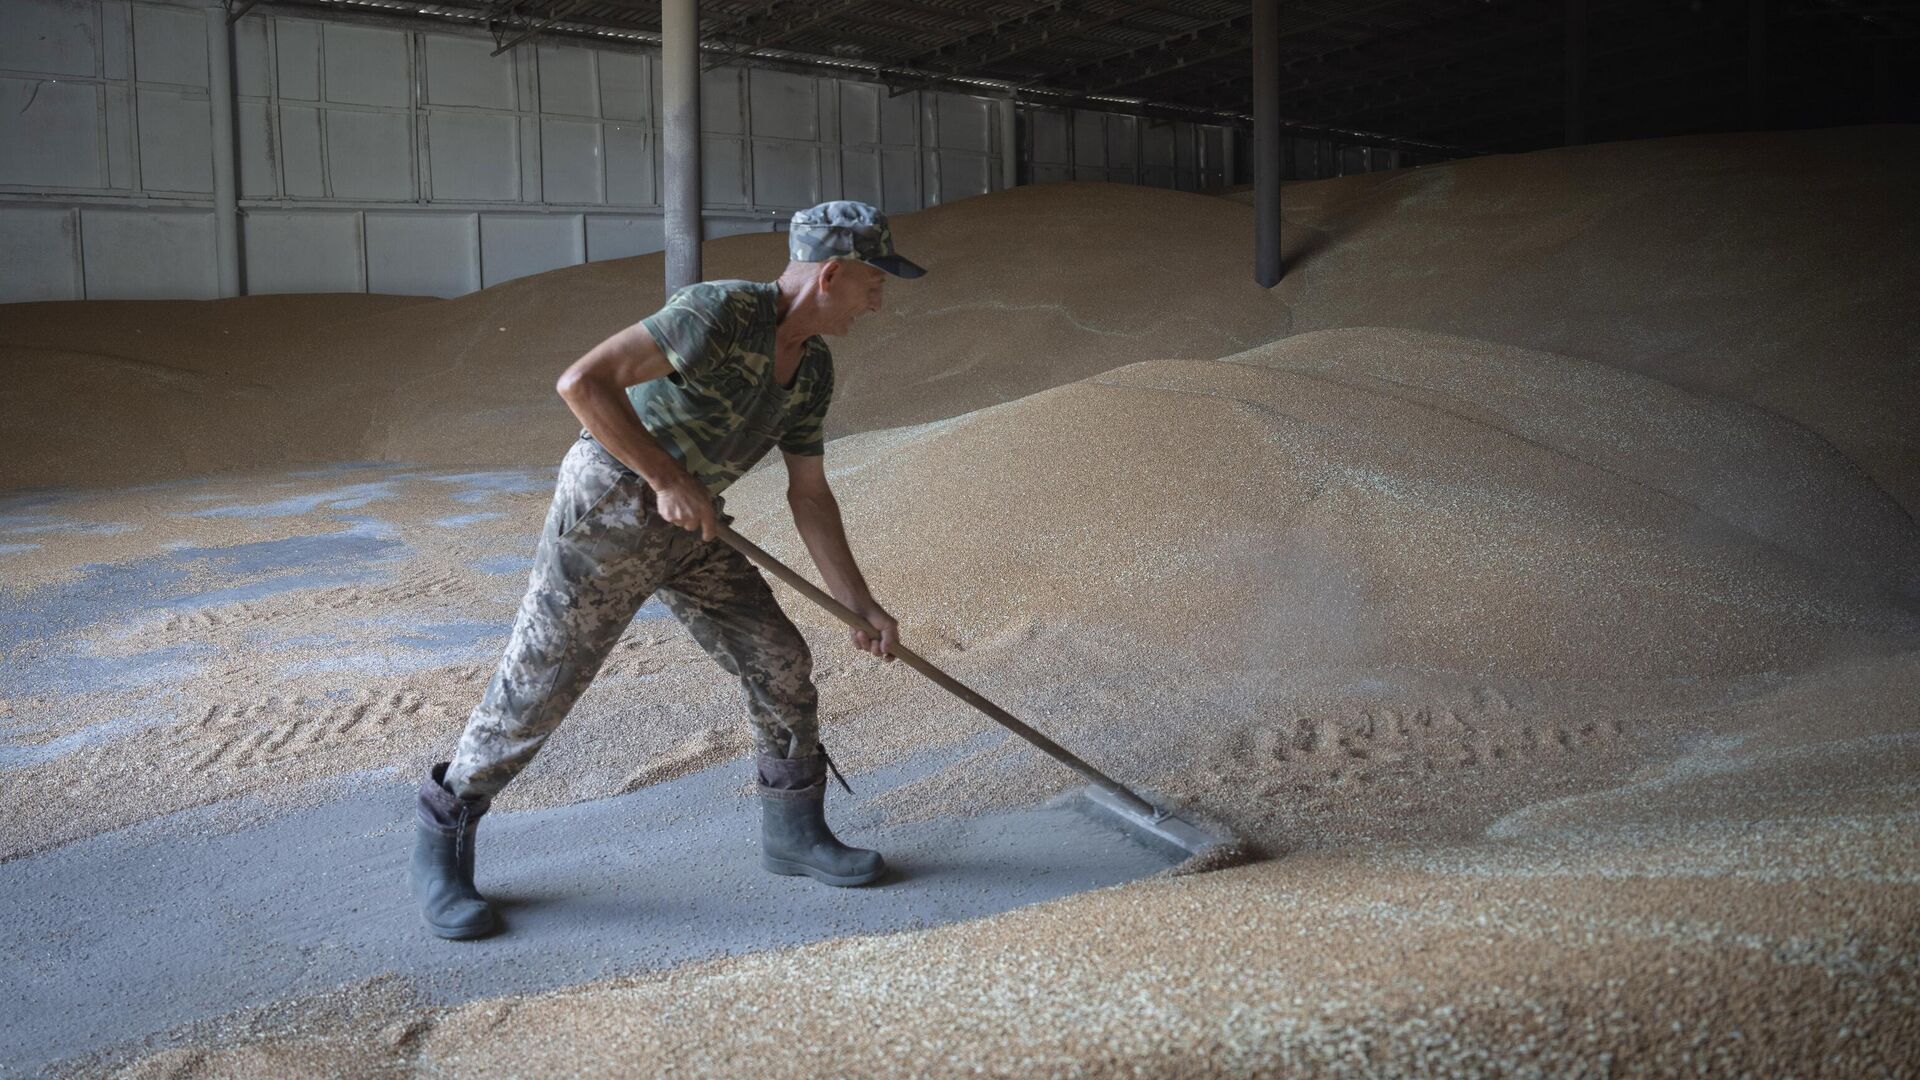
(135, 932)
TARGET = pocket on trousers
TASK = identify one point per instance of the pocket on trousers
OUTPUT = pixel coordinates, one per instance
(573, 519)
(586, 482)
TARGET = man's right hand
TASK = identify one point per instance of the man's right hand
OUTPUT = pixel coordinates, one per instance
(684, 501)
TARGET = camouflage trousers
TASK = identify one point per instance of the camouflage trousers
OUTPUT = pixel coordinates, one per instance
(603, 551)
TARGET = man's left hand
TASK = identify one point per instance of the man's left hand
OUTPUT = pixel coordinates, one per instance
(877, 617)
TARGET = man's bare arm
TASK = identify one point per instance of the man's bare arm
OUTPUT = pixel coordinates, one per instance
(595, 388)
(816, 514)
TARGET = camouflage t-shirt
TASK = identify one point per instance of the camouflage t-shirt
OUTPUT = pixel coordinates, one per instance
(721, 409)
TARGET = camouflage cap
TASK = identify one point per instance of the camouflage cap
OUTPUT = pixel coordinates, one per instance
(844, 228)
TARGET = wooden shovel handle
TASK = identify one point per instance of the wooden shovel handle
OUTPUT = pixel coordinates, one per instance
(925, 667)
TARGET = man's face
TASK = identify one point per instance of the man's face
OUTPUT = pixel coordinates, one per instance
(851, 290)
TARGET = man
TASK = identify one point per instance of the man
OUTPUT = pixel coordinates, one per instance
(674, 409)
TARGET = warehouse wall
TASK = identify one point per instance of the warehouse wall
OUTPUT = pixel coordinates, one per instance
(394, 160)
(1086, 145)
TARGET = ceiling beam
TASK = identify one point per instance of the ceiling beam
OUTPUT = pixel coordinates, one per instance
(991, 32)
(912, 30)
(1228, 40)
(974, 17)
(811, 15)
(745, 20)
(856, 40)
(1067, 80)
(1048, 34)
(511, 19)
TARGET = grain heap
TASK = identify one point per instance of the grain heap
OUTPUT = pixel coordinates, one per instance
(1077, 278)
(1773, 268)
(1363, 508)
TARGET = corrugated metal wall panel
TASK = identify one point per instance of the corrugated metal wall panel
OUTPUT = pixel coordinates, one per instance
(49, 36)
(296, 252)
(148, 254)
(39, 254)
(60, 122)
(516, 245)
(611, 237)
(422, 253)
(460, 71)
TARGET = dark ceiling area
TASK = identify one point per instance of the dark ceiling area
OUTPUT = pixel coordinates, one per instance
(1458, 76)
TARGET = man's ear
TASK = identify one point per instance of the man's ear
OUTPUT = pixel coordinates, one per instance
(829, 271)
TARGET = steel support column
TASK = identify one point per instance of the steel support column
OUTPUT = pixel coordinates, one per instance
(1576, 72)
(1009, 144)
(1266, 142)
(1757, 64)
(680, 143)
(226, 190)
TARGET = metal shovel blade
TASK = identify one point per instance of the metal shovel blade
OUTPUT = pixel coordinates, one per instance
(1162, 830)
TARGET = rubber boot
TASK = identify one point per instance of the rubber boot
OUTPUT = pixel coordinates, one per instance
(794, 838)
(442, 869)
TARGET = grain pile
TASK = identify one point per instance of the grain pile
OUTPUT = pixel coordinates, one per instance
(1385, 568)
(1579, 697)
(1772, 268)
(1079, 278)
